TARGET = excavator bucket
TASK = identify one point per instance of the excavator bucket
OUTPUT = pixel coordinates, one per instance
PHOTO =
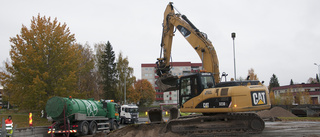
(174, 113)
(155, 115)
(167, 83)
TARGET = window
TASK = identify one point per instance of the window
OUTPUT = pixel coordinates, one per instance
(186, 86)
(150, 80)
(206, 81)
(133, 110)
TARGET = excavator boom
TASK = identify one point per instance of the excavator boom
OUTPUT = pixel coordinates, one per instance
(197, 39)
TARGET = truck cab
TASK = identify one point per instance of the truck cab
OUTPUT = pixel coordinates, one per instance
(129, 114)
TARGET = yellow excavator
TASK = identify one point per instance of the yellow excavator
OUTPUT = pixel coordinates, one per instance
(221, 106)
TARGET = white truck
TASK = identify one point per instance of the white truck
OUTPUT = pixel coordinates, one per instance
(129, 114)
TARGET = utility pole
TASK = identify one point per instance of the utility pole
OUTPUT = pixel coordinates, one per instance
(233, 36)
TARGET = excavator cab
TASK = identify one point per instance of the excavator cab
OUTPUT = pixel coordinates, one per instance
(193, 84)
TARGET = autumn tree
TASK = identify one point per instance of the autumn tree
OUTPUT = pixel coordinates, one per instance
(272, 98)
(45, 62)
(312, 80)
(99, 50)
(302, 96)
(126, 78)
(273, 82)
(86, 82)
(275, 100)
(142, 93)
(252, 75)
(108, 72)
(288, 98)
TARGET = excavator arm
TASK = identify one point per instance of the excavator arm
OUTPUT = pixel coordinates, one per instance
(197, 39)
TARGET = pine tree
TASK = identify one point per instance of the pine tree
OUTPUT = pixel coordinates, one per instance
(291, 82)
(273, 82)
(317, 77)
(109, 74)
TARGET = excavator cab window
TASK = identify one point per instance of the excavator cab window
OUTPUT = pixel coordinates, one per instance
(187, 88)
(207, 82)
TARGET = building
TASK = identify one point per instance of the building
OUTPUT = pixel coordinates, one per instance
(313, 91)
(148, 71)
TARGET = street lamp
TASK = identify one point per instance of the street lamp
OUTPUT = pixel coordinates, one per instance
(125, 85)
(318, 68)
(233, 36)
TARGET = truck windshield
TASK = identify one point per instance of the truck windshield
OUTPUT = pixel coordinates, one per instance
(132, 110)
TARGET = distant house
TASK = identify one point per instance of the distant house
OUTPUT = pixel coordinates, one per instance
(312, 90)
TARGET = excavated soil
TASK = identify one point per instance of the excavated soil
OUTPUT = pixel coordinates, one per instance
(143, 130)
(275, 112)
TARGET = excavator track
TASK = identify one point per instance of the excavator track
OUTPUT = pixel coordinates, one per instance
(219, 124)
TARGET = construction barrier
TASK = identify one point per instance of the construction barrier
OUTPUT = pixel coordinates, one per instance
(30, 120)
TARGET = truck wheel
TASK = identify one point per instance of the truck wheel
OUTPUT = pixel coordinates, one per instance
(114, 125)
(93, 128)
(122, 121)
(84, 128)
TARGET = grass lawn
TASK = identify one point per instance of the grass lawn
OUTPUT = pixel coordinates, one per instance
(22, 119)
(300, 118)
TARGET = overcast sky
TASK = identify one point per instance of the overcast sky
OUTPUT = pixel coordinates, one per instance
(280, 37)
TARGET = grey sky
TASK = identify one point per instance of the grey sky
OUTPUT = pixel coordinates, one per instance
(273, 36)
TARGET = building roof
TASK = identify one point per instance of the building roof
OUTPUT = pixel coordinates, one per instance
(297, 86)
(173, 64)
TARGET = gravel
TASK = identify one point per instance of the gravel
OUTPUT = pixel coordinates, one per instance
(275, 112)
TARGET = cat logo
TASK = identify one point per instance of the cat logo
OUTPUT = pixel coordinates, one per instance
(206, 105)
(258, 98)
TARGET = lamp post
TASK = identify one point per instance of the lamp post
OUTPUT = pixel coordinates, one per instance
(125, 88)
(318, 68)
(233, 36)
(125, 85)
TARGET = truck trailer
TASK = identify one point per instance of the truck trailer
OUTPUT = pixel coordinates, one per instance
(72, 117)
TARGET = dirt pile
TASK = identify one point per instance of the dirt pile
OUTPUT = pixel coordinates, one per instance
(275, 112)
(143, 130)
